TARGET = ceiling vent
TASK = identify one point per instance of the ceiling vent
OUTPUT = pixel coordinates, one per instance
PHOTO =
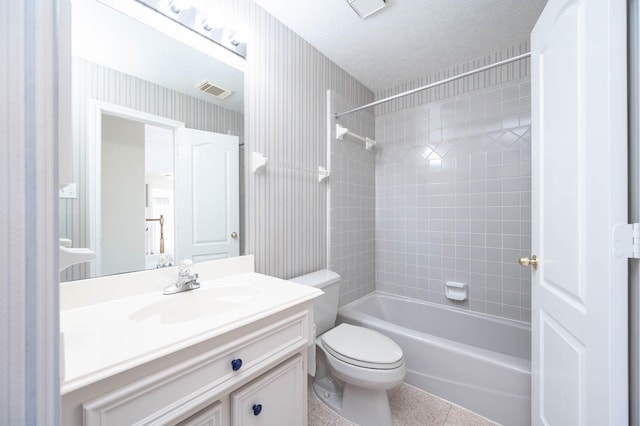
(213, 90)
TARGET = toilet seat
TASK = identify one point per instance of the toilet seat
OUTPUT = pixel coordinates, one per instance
(362, 347)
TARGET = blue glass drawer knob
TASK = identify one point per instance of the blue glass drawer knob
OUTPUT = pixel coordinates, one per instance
(236, 364)
(257, 408)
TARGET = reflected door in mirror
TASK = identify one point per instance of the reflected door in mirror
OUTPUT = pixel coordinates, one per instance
(207, 200)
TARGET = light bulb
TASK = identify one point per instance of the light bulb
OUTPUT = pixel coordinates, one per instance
(178, 6)
(205, 24)
(240, 35)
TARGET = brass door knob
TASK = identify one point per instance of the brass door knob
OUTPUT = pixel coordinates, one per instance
(525, 261)
(234, 235)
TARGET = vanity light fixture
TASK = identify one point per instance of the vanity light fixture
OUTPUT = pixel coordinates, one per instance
(186, 14)
(366, 8)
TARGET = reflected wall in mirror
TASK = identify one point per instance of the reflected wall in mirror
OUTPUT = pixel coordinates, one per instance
(128, 76)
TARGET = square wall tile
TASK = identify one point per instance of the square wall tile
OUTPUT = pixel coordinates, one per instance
(456, 176)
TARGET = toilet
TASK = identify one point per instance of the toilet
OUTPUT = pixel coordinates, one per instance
(353, 367)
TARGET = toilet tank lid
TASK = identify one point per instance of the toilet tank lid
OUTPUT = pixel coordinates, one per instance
(319, 279)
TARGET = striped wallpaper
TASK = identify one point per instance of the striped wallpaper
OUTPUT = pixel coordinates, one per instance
(285, 85)
(30, 42)
(92, 81)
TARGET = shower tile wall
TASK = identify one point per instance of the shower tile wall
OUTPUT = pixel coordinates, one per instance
(352, 205)
(453, 199)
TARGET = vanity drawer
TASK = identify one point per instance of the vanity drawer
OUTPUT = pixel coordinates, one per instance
(176, 392)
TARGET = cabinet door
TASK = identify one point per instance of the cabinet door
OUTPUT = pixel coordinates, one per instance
(276, 398)
(213, 415)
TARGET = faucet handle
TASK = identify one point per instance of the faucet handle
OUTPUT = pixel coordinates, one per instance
(184, 269)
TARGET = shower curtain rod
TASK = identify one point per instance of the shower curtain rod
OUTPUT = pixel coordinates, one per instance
(437, 83)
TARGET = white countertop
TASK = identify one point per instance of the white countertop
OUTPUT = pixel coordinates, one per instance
(111, 336)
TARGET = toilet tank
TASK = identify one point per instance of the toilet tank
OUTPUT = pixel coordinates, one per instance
(325, 307)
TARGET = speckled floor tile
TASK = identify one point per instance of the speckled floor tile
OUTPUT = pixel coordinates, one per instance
(414, 407)
(410, 406)
(325, 416)
(461, 417)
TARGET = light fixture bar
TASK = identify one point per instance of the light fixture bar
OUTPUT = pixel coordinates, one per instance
(184, 13)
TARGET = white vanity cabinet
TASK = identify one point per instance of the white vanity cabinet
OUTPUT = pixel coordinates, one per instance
(251, 375)
(233, 352)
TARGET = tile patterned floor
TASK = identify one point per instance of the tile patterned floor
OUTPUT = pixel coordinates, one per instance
(410, 406)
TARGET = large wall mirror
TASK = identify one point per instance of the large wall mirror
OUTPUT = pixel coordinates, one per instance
(158, 158)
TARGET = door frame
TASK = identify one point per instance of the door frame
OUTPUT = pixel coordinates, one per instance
(633, 31)
(94, 180)
(35, 131)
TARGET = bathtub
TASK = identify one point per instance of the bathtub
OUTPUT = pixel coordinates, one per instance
(479, 362)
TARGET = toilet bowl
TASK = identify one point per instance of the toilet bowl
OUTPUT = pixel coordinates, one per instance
(358, 367)
(353, 367)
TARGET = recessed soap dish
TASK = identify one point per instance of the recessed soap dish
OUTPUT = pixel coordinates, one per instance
(456, 291)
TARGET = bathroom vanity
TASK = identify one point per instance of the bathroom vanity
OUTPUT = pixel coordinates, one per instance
(231, 352)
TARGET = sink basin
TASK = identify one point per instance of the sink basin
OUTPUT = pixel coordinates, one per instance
(195, 304)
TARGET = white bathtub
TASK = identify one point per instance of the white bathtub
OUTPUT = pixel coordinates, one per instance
(479, 362)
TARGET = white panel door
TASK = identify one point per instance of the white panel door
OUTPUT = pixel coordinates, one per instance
(207, 210)
(579, 317)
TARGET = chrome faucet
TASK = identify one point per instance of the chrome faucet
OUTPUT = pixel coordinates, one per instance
(187, 280)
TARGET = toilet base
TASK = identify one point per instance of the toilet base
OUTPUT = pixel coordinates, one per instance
(359, 405)
(329, 392)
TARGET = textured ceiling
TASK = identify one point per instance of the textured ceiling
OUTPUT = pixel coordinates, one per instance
(407, 39)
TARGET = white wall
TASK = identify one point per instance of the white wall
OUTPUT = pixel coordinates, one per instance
(123, 196)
